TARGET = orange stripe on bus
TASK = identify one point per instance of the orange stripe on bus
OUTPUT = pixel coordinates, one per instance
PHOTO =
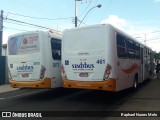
(131, 68)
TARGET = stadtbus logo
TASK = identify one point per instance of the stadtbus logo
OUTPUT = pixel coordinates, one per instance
(83, 65)
(25, 68)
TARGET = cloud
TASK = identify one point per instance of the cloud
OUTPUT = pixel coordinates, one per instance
(6, 34)
(115, 21)
(121, 24)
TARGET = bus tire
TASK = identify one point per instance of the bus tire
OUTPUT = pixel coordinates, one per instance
(135, 83)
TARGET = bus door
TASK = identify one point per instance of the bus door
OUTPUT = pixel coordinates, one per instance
(142, 64)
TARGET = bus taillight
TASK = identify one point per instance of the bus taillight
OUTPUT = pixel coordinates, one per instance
(107, 72)
(63, 72)
(42, 72)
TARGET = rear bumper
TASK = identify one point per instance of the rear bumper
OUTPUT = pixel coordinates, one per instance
(107, 85)
(44, 83)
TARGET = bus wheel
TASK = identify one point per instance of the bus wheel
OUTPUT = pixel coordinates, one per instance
(135, 83)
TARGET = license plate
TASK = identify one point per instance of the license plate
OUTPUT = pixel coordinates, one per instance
(83, 74)
(25, 75)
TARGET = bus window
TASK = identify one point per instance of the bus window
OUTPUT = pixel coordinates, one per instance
(137, 51)
(56, 48)
(130, 48)
(14, 44)
(121, 51)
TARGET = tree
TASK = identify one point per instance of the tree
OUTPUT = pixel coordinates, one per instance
(157, 56)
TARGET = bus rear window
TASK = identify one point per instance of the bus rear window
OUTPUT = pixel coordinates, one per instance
(23, 44)
(56, 48)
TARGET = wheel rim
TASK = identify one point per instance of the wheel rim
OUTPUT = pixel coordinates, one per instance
(135, 84)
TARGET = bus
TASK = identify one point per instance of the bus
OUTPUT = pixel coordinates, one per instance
(34, 59)
(102, 57)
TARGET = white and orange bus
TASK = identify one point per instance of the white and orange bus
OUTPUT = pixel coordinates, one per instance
(34, 59)
(101, 57)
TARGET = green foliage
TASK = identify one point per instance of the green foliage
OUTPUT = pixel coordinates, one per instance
(157, 56)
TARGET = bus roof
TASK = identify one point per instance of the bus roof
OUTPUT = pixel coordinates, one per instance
(55, 34)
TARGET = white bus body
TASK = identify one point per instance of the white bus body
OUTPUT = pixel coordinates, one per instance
(102, 57)
(34, 60)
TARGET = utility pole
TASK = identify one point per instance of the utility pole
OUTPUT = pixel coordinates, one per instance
(145, 39)
(1, 31)
(76, 11)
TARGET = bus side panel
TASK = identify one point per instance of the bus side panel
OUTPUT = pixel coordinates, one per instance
(128, 67)
(122, 79)
(53, 70)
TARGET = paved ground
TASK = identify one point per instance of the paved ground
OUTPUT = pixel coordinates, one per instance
(6, 88)
(146, 99)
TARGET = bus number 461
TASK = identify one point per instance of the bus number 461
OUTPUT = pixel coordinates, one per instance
(100, 61)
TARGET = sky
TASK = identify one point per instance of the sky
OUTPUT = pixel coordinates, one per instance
(139, 18)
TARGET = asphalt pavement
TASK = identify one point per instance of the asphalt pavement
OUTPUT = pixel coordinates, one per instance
(138, 106)
(144, 105)
(6, 88)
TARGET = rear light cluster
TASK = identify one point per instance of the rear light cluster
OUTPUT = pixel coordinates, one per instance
(42, 72)
(63, 73)
(107, 72)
